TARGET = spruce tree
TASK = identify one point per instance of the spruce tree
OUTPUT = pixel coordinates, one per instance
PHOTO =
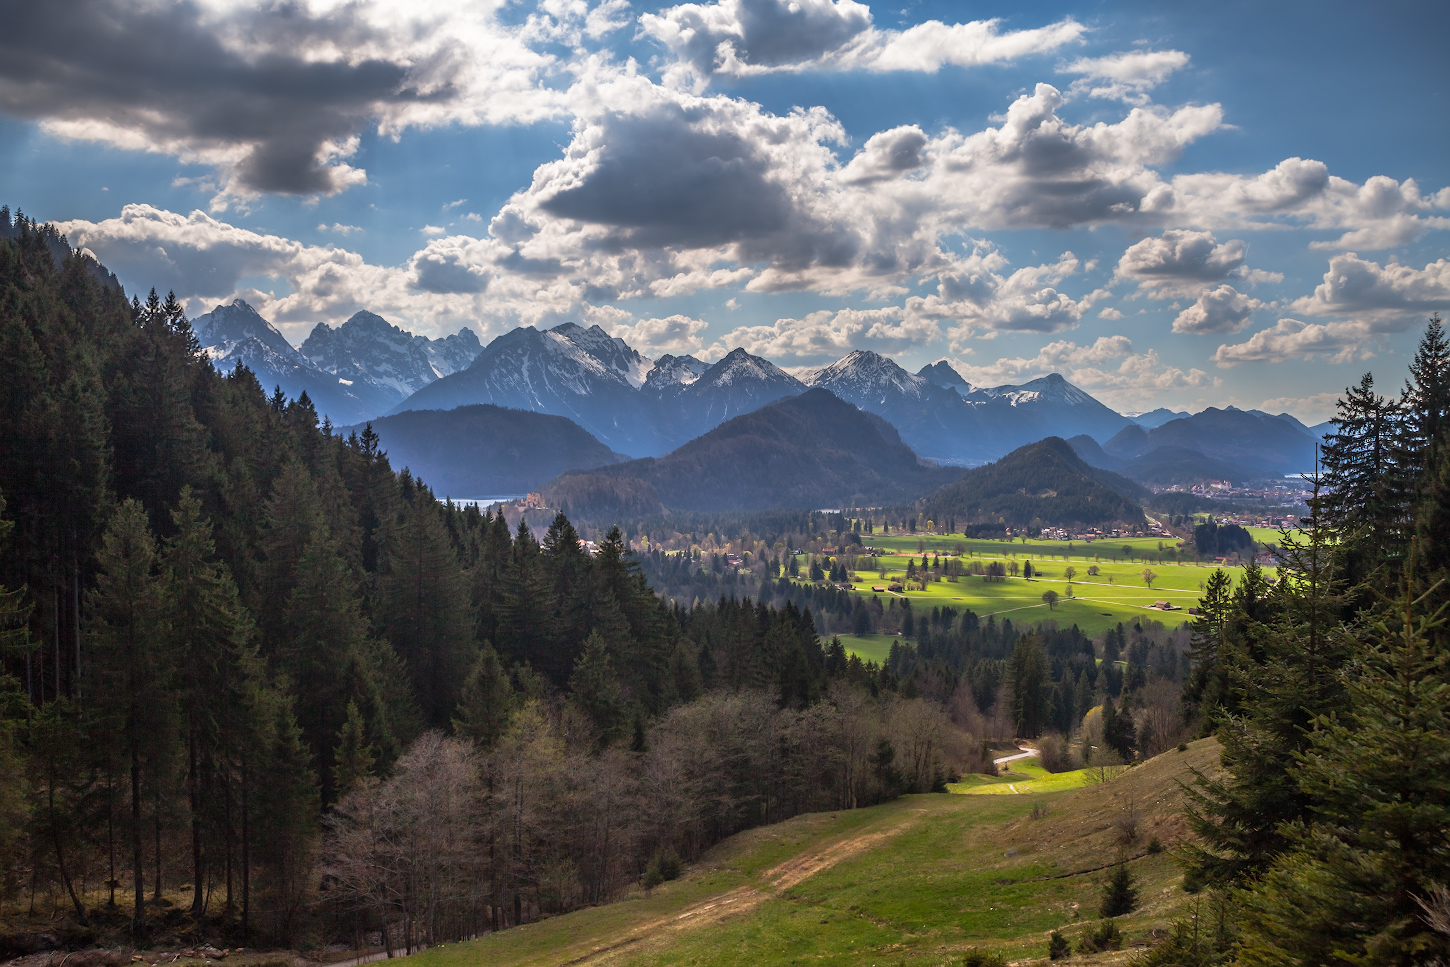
(209, 631)
(1206, 689)
(354, 757)
(133, 670)
(595, 688)
(422, 606)
(487, 704)
(1377, 775)
(1120, 895)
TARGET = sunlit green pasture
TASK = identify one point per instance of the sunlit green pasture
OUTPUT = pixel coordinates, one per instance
(1119, 591)
(869, 647)
(1020, 778)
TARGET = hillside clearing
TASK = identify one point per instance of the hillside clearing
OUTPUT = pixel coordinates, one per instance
(918, 880)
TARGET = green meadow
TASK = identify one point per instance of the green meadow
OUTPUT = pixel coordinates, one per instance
(1117, 593)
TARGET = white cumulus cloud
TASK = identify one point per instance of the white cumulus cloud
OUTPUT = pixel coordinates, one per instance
(1126, 76)
(1220, 309)
(750, 37)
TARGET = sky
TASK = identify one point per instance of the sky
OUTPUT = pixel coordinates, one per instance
(1175, 205)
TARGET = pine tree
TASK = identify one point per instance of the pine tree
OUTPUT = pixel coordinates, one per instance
(487, 704)
(354, 757)
(1120, 895)
(132, 667)
(1378, 778)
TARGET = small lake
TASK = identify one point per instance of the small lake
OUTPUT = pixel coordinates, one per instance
(481, 502)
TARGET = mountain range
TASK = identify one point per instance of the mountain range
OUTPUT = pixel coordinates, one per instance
(352, 373)
(633, 405)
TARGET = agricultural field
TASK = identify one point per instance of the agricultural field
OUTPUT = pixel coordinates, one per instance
(916, 882)
(1117, 593)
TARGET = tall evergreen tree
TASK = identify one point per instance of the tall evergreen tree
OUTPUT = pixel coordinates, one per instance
(209, 632)
(423, 607)
(1377, 777)
(133, 669)
(487, 704)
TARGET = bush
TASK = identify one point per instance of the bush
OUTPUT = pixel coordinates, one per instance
(1183, 747)
(976, 958)
(1057, 947)
(1120, 896)
(1155, 846)
(1057, 754)
(663, 867)
(1106, 937)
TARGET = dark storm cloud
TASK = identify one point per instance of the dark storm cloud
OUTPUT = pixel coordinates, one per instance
(164, 73)
(671, 183)
(762, 33)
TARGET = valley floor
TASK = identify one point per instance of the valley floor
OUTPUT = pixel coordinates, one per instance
(918, 881)
(1117, 593)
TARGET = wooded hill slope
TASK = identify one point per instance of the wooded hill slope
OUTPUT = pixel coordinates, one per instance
(1040, 484)
(813, 450)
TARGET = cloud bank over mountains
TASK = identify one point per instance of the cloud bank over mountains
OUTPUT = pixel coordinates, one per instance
(672, 183)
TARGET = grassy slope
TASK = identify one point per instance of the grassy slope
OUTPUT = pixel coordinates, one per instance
(913, 882)
(1116, 594)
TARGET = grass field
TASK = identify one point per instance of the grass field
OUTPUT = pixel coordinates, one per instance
(869, 647)
(1118, 593)
(1023, 777)
(915, 882)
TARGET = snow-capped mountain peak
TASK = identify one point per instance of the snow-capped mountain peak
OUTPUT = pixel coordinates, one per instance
(675, 371)
(227, 326)
(738, 366)
(865, 375)
(612, 352)
(1052, 388)
(943, 374)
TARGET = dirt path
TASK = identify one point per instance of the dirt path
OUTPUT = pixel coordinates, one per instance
(1025, 753)
(740, 900)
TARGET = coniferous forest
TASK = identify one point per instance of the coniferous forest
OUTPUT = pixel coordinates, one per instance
(248, 663)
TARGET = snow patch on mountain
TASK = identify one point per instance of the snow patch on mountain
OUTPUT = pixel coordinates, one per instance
(613, 353)
(674, 371)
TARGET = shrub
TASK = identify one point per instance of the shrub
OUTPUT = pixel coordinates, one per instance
(1057, 754)
(1040, 810)
(663, 867)
(1155, 846)
(1183, 747)
(1057, 947)
(977, 958)
(1120, 896)
(1106, 937)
